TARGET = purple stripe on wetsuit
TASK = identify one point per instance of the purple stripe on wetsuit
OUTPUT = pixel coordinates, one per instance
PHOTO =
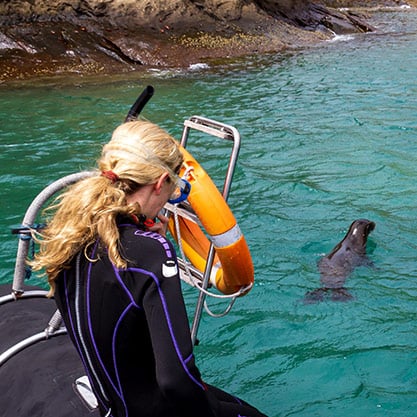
(113, 348)
(157, 237)
(76, 339)
(189, 358)
(171, 331)
(123, 285)
(90, 329)
(169, 254)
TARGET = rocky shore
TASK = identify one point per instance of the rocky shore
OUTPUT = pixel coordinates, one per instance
(115, 36)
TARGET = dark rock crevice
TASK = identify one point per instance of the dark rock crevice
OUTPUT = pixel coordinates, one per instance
(108, 36)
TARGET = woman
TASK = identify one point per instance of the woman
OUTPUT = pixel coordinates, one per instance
(115, 279)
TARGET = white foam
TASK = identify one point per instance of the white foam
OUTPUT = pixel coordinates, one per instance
(199, 66)
(341, 38)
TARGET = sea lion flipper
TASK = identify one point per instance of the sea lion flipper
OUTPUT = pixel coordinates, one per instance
(341, 294)
(316, 296)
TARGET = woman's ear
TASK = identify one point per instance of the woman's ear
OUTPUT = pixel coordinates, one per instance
(158, 185)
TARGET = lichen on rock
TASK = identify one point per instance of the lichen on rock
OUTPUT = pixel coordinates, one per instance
(108, 36)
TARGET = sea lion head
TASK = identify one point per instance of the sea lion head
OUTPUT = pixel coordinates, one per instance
(358, 233)
(346, 255)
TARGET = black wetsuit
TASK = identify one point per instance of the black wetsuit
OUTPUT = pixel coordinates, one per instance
(131, 330)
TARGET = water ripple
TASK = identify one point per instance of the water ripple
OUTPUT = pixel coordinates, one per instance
(328, 135)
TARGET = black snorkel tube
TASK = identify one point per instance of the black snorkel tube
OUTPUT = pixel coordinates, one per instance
(133, 114)
(139, 104)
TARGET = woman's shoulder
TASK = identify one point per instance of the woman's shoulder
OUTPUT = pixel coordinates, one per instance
(149, 251)
(134, 240)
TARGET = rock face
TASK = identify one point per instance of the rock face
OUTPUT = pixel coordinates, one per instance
(101, 36)
(183, 15)
(313, 16)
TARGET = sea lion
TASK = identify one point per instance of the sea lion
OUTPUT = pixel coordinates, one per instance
(340, 262)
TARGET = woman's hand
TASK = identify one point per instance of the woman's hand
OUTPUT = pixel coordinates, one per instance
(161, 226)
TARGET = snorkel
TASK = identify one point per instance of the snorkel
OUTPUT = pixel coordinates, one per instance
(183, 187)
(139, 104)
(133, 114)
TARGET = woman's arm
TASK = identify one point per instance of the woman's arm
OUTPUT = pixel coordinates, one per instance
(177, 374)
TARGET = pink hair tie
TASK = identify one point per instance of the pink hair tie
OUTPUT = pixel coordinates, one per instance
(113, 177)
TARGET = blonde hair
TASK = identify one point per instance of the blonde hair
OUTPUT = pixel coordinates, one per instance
(138, 153)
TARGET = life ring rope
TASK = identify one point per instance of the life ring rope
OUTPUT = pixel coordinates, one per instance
(196, 283)
(214, 227)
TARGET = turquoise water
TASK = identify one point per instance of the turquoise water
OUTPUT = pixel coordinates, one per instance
(328, 136)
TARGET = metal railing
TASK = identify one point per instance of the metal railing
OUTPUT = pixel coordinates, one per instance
(55, 326)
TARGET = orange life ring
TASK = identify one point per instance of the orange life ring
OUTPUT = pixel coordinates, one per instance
(232, 267)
